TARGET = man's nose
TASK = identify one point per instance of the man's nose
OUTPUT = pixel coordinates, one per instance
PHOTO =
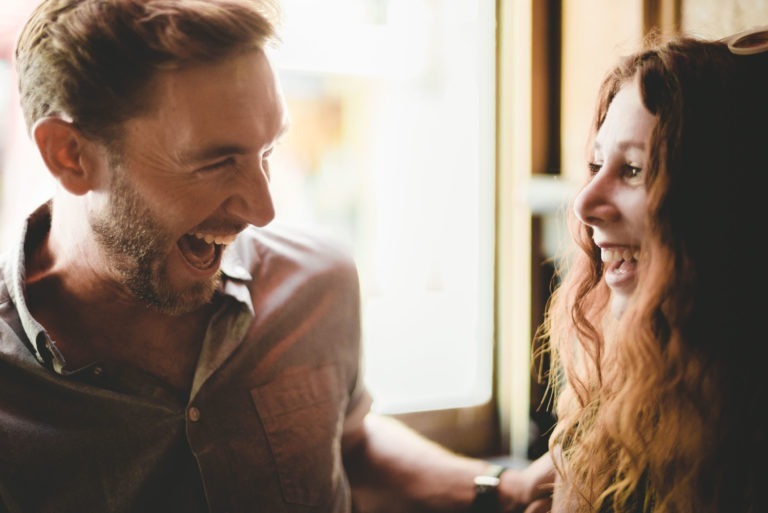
(251, 198)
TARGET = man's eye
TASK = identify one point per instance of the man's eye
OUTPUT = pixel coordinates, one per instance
(219, 165)
(265, 162)
(266, 155)
(594, 167)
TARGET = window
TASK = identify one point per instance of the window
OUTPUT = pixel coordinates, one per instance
(391, 151)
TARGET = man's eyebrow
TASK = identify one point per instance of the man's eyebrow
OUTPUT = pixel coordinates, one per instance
(216, 151)
(210, 153)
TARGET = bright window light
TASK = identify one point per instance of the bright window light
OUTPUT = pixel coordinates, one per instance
(390, 151)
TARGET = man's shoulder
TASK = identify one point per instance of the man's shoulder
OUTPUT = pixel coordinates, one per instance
(291, 247)
(5, 275)
(9, 313)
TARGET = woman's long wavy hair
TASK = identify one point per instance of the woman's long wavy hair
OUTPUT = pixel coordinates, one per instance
(664, 409)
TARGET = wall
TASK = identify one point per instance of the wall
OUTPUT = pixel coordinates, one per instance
(718, 18)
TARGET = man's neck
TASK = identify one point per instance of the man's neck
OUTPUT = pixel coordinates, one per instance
(95, 319)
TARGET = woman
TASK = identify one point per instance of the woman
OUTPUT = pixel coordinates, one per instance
(657, 328)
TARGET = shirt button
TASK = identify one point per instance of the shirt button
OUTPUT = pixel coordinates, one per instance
(193, 414)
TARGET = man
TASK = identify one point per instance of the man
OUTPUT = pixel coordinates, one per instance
(160, 350)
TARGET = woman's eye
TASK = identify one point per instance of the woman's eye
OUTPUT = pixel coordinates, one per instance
(633, 171)
(594, 168)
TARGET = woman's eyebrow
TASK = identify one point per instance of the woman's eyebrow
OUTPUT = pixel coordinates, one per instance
(623, 145)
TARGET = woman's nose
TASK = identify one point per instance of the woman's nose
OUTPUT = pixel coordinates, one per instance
(594, 204)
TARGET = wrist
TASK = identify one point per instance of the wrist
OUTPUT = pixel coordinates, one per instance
(487, 490)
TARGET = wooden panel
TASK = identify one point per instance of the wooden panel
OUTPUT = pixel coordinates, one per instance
(595, 33)
(472, 430)
(662, 16)
(513, 232)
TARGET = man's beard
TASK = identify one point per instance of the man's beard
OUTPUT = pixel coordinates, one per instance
(137, 245)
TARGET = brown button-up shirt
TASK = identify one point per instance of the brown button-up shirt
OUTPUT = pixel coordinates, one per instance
(277, 378)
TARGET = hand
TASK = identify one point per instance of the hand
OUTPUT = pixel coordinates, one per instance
(540, 506)
(528, 490)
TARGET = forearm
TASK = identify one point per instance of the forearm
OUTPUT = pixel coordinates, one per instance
(397, 461)
(397, 469)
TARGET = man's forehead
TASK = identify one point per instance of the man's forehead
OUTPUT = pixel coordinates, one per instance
(241, 72)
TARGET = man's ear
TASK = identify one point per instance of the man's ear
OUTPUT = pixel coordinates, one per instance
(62, 147)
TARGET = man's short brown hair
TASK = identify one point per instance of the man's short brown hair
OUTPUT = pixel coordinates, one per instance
(92, 60)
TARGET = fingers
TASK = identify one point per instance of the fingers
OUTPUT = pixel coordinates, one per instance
(540, 506)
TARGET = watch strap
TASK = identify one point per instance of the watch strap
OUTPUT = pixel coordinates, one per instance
(487, 490)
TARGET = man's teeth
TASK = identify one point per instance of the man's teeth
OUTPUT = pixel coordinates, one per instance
(614, 255)
(215, 239)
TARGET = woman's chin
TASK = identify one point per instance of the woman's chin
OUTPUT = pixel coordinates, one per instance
(619, 304)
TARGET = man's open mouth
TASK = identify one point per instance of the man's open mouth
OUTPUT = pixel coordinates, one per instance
(202, 250)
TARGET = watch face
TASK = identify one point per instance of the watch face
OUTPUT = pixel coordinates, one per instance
(486, 482)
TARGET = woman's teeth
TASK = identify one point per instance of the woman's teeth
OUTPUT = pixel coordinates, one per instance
(215, 239)
(614, 255)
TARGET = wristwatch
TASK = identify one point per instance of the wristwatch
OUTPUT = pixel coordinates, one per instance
(487, 491)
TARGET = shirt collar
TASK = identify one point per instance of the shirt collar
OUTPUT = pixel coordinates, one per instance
(234, 270)
(36, 225)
